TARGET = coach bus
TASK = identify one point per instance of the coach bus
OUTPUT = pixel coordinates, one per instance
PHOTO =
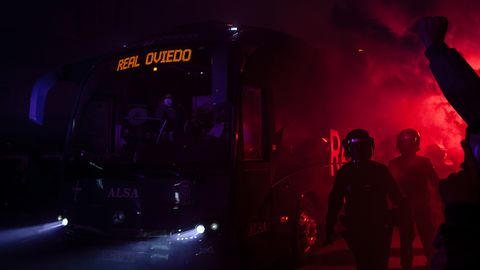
(207, 140)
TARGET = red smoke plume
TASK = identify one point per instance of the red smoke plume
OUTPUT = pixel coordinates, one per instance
(396, 64)
(380, 79)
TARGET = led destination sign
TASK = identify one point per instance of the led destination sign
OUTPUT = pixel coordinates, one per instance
(155, 57)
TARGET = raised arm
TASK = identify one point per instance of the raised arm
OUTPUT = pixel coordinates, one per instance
(458, 81)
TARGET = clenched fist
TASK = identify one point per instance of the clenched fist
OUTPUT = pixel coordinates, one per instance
(431, 30)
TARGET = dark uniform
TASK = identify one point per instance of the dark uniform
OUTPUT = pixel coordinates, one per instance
(413, 174)
(365, 187)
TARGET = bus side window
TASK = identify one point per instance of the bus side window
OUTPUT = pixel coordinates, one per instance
(252, 123)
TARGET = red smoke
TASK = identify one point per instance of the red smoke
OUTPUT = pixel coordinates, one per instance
(381, 78)
(436, 120)
(387, 85)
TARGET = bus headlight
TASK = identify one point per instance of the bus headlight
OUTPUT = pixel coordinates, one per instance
(200, 229)
(214, 226)
(64, 221)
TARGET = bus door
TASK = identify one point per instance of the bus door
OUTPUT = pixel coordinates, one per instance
(255, 171)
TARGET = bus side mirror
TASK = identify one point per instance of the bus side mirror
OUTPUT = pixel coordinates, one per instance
(39, 96)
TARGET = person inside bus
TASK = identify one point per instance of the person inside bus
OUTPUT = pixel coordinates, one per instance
(414, 175)
(168, 118)
(365, 187)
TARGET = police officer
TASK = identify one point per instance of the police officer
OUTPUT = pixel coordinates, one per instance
(414, 174)
(365, 186)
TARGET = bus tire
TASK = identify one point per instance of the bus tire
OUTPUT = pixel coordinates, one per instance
(305, 232)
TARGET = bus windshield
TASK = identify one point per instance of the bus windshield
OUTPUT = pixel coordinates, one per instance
(142, 110)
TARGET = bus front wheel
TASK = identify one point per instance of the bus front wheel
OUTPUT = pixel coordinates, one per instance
(305, 231)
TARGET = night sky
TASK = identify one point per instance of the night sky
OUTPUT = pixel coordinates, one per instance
(385, 86)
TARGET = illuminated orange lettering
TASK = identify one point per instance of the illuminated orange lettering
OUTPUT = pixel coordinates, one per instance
(125, 63)
(187, 55)
(169, 56)
(164, 54)
(136, 64)
(119, 66)
(131, 62)
(157, 59)
(150, 58)
(178, 56)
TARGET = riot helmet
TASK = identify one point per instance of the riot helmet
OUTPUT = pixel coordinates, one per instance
(358, 145)
(408, 141)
